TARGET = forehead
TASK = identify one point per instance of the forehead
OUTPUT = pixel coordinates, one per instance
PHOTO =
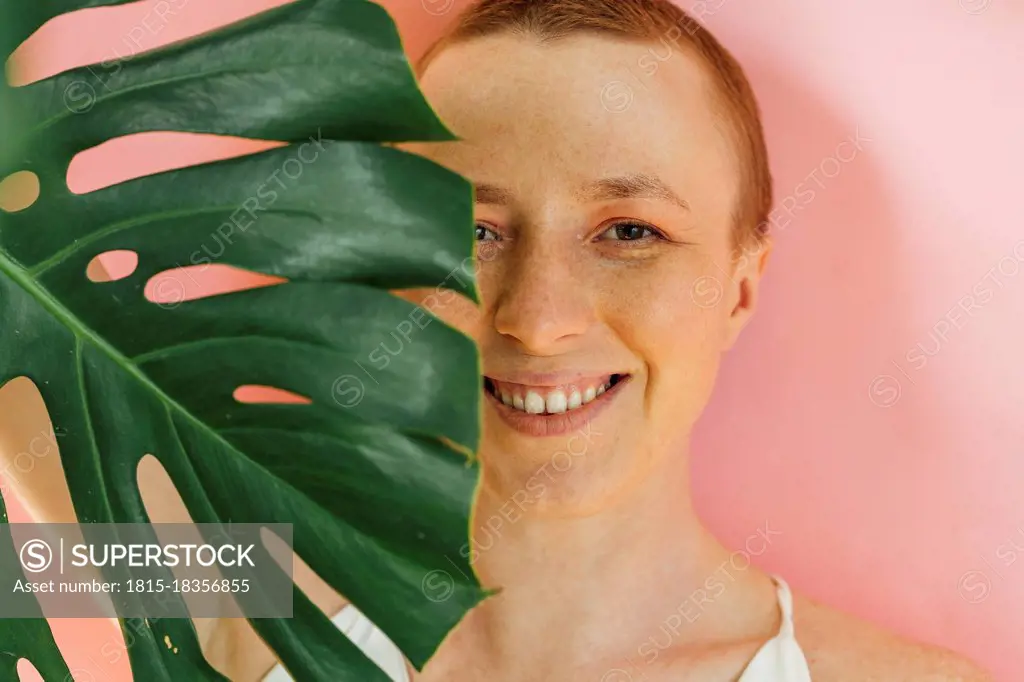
(589, 105)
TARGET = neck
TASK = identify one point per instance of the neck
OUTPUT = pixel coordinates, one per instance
(611, 580)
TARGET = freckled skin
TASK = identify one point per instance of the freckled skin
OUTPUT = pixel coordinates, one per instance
(535, 119)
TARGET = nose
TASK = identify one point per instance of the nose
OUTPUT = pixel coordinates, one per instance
(540, 304)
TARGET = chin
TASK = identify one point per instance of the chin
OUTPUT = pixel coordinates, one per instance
(577, 475)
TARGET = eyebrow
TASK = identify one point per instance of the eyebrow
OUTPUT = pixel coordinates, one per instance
(492, 194)
(635, 186)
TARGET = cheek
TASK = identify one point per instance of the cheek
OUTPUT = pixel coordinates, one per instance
(675, 324)
(669, 309)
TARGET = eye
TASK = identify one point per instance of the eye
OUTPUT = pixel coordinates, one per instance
(486, 234)
(630, 232)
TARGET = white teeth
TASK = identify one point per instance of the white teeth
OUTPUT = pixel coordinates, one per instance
(550, 401)
(556, 402)
(534, 403)
(575, 399)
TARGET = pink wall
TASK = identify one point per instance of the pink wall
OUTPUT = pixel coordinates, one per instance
(872, 412)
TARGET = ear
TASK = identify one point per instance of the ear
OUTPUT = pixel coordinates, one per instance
(748, 269)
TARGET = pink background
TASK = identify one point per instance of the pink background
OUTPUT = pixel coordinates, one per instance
(864, 415)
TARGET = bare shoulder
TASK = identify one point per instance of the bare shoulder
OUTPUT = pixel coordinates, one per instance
(842, 648)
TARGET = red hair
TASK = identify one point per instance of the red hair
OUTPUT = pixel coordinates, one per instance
(649, 21)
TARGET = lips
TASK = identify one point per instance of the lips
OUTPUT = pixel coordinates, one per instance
(549, 410)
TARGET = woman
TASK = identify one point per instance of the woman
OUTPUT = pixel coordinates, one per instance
(623, 225)
(622, 220)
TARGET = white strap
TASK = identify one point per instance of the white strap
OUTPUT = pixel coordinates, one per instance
(785, 606)
(365, 635)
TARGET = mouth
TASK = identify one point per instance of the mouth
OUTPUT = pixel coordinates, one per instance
(553, 410)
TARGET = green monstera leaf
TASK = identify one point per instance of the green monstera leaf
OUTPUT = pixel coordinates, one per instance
(373, 471)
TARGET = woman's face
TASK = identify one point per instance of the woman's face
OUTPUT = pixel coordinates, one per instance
(604, 221)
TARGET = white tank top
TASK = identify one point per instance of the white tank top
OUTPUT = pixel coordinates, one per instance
(779, 660)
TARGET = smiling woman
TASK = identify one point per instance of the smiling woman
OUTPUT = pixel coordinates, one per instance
(623, 241)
